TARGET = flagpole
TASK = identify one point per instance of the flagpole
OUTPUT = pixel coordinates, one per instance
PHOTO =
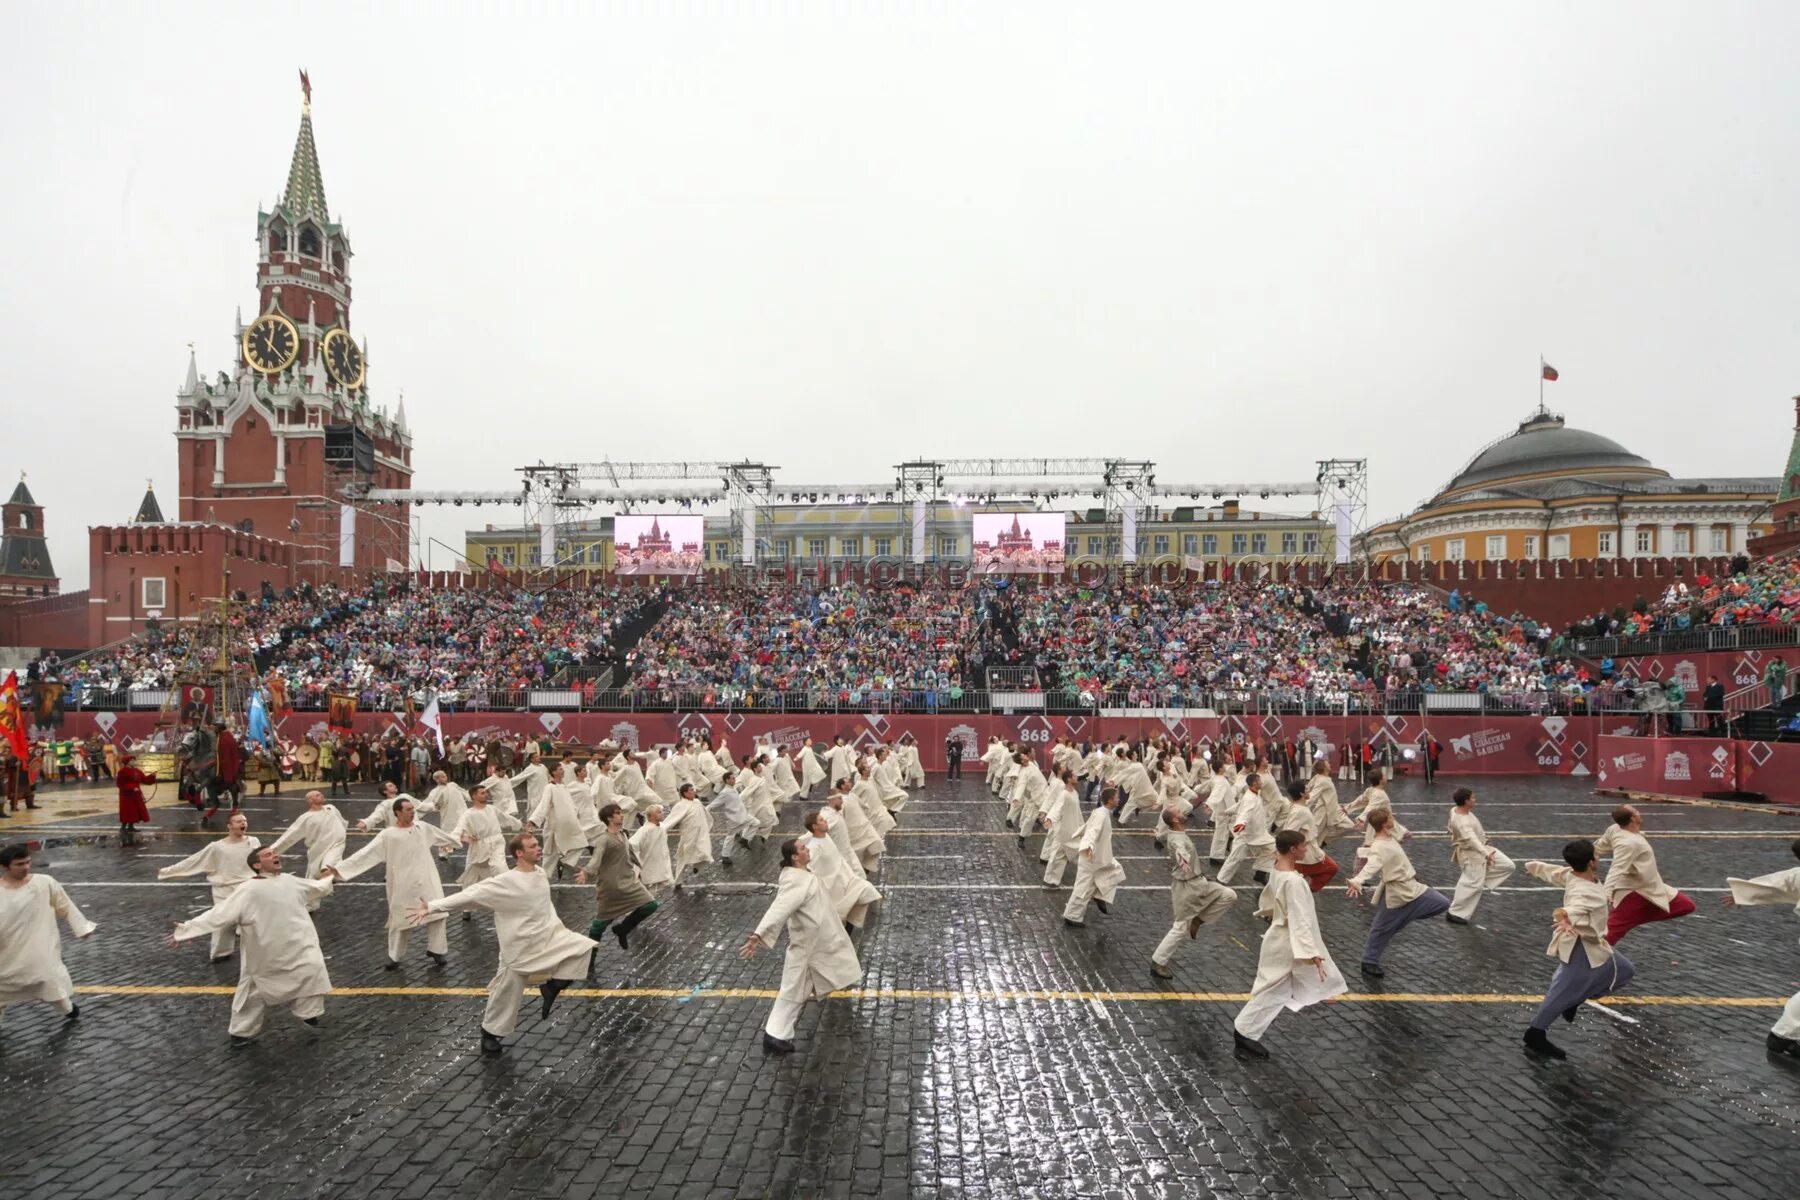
(1540, 382)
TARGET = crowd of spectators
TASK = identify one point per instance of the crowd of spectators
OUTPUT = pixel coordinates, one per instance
(920, 644)
(847, 643)
(381, 643)
(1761, 593)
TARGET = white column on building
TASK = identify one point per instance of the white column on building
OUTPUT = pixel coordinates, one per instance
(1740, 537)
(1628, 539)
(1665, 540)
(218, 460)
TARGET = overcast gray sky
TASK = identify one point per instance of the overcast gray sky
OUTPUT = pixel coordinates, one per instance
(1231, 238)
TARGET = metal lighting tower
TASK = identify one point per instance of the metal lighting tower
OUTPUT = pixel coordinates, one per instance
(1344, 501)
(1130, 487)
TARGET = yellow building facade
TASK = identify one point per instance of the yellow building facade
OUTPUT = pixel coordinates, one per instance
(1180, 536)
(1546, 491)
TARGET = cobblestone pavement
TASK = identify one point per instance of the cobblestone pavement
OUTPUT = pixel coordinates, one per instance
(990, 1052)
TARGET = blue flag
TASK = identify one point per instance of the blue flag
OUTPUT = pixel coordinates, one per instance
(258, 730)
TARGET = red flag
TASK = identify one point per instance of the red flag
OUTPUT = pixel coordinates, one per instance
(1550, 372)
(12, 720)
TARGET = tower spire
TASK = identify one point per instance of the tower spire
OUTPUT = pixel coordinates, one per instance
(305, 194)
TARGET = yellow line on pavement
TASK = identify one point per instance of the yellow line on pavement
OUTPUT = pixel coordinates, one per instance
(977, 995)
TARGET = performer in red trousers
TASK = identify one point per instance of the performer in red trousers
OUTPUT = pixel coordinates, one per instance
(1633, 883)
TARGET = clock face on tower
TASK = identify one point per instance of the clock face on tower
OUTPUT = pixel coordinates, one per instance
(343, 359)
(271, 342)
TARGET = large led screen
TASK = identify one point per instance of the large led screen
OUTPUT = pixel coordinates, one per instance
(1018, 542)
(658, 544)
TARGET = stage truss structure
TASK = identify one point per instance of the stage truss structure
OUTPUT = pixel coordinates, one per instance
(553, 495)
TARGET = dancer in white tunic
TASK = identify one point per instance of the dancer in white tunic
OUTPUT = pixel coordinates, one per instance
(839, 828)
(886, 774)
(382, 815)
(1590, 968)
(1374, 797)
(759, 797)
(1196, 899)
(1063, 840)
(31, 965)
(650, 849)
(1139, 789)
(851, 891)
(663, 779)
(864, 839)
(783, 784)
(534, 778)
(447, 799)
(322, 828)
(868, 795)
(1400, 898)
(535, 946)
(1294, 969)
(281, 962)
(1483, 867)
(1097, 874)
(1028, 796)
(840, 760)
(912, 771)
(561, 839)
(1322, 799)
(630, 786)
(226, 868)
(580, 783)
(812, 772)
(1221, 806)
(1252, 840)
(820, 956)
(728, 814)
(500, 791)
(483, 832)
(1780, 887)
(692, 827)
(995, 759)
(407, 847)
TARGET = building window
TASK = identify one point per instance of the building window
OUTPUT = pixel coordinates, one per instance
(815, 547)
(1309, 543)
(850, 547)
(1531, 545)
(1646, 541)
(536, 557)
(706, 552)
(508, 556)
(156, 592)
(1496, 546)
(1160, 544)
(1559, 545)
(784, 548)
(1190, 543)
(1289, 543)
(947, 547)
(1606, 543)
(1094, 547)
(1239, 542)
(1684, 541)
(1423, 552)
(1453, 550)
(1209, 543)
(884, 547)
(1718, 541)
(1259, 543)
(1112, 546)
